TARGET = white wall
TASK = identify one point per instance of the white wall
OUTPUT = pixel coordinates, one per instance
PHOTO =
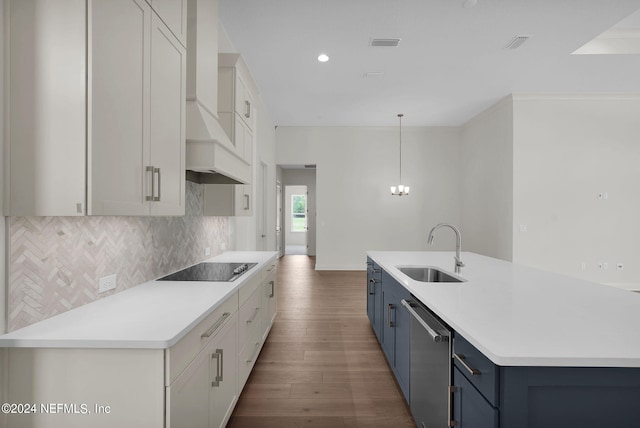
(306, 177)
(567, 150)
(355, 167)
(486, 169)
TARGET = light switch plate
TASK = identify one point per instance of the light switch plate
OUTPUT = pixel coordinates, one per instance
(107, 283)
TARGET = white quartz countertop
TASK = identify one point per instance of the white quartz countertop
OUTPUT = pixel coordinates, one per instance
(520, 316)
(153, 315)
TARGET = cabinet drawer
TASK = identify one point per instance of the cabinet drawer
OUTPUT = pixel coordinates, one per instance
(470, 409)
(246, 359)
(250, 319)
(249, 288)
(271, 267)
(480, 371)
(373, 270)
(181, 354)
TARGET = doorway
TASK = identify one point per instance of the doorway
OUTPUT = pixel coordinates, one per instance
(296, 219)
(302, 175)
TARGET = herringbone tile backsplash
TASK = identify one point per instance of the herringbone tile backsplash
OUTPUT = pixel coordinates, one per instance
(55, 262)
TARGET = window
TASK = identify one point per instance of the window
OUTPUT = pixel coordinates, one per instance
(298, 213)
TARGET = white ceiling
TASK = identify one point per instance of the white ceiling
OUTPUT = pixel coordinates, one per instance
(450, 65)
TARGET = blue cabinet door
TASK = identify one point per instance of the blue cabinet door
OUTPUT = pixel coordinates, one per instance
(396, 330)
(470, 409)
(403, 348)
(374, 296)
(389, 309)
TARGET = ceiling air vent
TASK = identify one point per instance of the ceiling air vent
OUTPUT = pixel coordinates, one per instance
(516, 42)
(385, 42)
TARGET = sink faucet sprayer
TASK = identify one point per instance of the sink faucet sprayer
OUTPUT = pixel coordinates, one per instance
(459, 262)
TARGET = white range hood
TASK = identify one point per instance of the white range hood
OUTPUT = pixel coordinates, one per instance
(210, 156)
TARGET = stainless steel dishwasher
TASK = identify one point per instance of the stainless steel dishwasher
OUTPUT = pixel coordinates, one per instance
(430, 367)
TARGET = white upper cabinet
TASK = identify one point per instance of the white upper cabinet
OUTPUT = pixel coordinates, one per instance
(45, 108)
(106, 128)
(174, 14)
(120, 42)
(236, 91)
(168, 86)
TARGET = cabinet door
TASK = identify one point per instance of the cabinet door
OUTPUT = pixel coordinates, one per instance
(238, 135)
(470, 409)
(167, 152)
(45, 101)
(174, 14)
(223, 392)
(247, 153)
(119, 56)
(403, 347)
(268, 303)
(243, 200)
(373, 306)
(188, 395)
(389, 309)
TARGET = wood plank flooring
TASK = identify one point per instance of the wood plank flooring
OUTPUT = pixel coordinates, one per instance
(321, 365)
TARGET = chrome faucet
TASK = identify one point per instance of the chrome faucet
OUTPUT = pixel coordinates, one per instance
(459, 262)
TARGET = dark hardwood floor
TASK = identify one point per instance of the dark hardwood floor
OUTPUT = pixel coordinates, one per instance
(321, 365)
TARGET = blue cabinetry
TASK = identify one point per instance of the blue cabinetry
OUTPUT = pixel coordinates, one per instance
(475, 391)
(486, 395)
(396, 330)
(470, 408)
(374, 296)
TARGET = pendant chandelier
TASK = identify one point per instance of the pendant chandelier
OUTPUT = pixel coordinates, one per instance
(400, 189)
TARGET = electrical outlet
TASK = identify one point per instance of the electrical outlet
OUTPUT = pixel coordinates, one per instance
(207, 251)
(107, 283)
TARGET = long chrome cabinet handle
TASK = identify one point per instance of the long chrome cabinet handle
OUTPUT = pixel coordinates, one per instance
(273, 288)
(216, 325)
(390, 307)
(437, 337)
(253, 317)
(247, 111)
(452, 422)
(157, 171)
(153, 183)
(461, 359)
(219, 357)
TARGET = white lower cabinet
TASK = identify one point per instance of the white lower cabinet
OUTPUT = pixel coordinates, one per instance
(269, 291)
(195, 383)
(206, 392)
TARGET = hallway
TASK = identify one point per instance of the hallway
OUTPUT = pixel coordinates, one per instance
(321, 365)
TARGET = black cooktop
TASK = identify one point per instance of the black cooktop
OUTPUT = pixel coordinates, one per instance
(225, 272)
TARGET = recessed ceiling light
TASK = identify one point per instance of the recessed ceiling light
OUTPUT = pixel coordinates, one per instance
(323, 58)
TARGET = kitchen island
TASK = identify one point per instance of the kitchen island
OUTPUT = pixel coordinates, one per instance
(555, 350)
(161, 354)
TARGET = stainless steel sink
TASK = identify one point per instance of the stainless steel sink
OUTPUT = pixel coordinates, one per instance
(428, 274)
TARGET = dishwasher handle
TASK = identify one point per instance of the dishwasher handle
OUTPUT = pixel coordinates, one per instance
(437, 337)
